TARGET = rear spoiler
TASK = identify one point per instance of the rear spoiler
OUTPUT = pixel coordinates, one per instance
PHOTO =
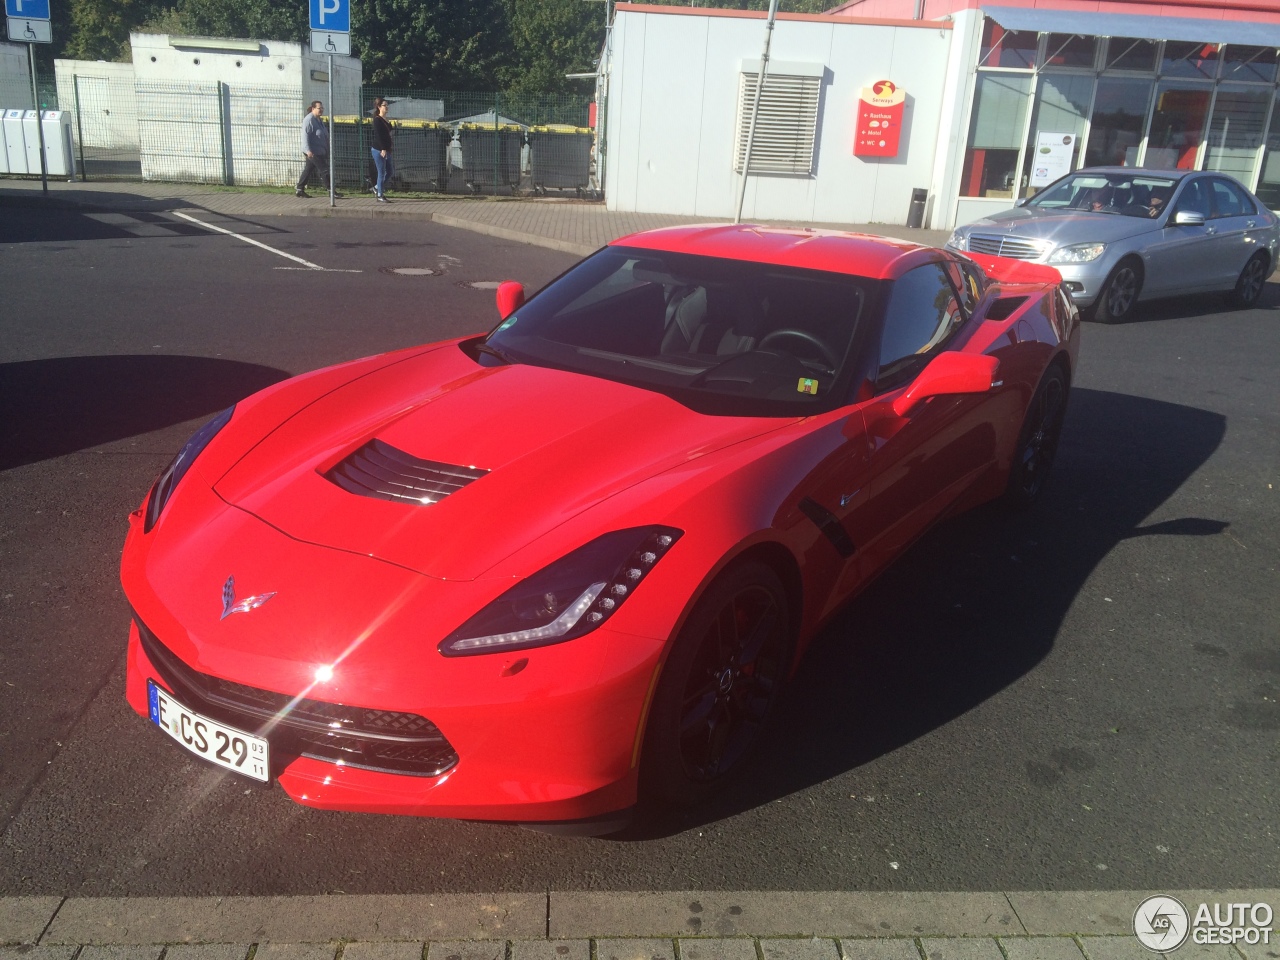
(1008, 270)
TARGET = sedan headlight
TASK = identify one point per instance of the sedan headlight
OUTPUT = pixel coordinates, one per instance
(958, 240)
(572, 596)
(164, 485)
(1077, 253)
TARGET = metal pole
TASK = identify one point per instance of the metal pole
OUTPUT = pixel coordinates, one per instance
(497, 104)
(332, 202)
(35, 97)
(75, 84)
(755, 108)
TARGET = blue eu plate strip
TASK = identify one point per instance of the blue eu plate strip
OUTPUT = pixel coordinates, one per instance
(153, 702)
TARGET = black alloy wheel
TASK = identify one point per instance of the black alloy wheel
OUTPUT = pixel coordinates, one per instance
(720, 685)
(1249, 285)
(1038, 440)
(1119, 294)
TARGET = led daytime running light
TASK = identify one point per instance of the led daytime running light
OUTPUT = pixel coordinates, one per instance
(556, 628)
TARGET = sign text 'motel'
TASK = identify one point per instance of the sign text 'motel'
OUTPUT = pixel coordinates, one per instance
(330, 16)
(27, 9)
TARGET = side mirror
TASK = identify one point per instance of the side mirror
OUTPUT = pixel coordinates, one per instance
(1188, 218)
(949, 373)
(510, 297)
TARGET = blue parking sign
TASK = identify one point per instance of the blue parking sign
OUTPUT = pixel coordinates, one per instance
(39, 9)
(331, 16)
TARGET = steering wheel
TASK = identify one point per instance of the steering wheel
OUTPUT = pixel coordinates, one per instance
(832, 360)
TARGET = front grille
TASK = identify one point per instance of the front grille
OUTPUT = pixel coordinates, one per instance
(999, 246)
(381, 471)
(383, 740)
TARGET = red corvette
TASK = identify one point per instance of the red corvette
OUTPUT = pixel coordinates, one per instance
(540, 575)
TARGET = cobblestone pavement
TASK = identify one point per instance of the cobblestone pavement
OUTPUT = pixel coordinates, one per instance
(705, 925)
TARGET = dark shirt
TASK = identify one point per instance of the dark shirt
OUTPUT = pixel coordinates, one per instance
(381, 134)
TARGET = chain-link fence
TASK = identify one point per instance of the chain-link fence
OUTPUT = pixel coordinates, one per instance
(445, 141)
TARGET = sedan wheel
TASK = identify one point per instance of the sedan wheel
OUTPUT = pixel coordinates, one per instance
(1038, 441)
(720, 685)
(1249, 285)
(1119, 295)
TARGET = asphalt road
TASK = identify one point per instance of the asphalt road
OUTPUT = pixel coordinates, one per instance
(1082, 697)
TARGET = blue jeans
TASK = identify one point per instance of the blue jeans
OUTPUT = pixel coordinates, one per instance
(386, 169)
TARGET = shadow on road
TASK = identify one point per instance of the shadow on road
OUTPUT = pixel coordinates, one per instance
(974, 606)
(53, 407)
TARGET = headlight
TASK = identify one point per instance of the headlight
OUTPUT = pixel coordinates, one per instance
(164, 485)
(572, 596)
(1077, 253)
(958, 240)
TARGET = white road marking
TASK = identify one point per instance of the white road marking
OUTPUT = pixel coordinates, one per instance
(257, 243)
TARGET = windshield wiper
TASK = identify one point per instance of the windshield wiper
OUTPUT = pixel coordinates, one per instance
(493, 351)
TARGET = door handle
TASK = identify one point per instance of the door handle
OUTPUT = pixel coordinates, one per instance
(1210, 231)
(1250, 223)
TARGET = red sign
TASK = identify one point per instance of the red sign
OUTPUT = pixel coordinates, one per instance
(879, 120)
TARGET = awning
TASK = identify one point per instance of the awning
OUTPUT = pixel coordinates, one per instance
(1197, 29)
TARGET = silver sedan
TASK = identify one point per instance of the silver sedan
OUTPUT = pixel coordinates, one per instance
(1122, 234)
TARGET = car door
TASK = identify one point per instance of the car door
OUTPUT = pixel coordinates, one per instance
(1240, 230)
(920, 463)
(1184, 258)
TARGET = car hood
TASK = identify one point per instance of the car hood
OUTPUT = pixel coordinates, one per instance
(1064, 228)
(548, 444)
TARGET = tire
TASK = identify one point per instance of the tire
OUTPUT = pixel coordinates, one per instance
(1249, 285)
(1119, 295)
(1038, 441)
(719, 688)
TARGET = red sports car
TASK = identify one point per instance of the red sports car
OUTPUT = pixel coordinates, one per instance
(540, 575)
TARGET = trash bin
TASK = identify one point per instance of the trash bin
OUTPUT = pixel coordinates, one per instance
(915, 214)
(421, 155)
(560, 157)
(490, 157)
(351, 160)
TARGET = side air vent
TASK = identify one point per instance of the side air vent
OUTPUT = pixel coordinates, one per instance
(381, 471)
(1005, 307)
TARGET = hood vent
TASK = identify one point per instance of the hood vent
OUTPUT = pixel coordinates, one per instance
(381, 471)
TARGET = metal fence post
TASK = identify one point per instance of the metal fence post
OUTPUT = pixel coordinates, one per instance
(224, 131)
(75, 86)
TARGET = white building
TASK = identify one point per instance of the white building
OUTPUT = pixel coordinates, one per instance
(15, 77)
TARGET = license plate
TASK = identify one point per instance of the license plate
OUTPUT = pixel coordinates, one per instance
(215, 742)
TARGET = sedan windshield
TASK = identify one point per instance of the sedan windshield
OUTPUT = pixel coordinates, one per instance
(721, 336)
(1123, 194)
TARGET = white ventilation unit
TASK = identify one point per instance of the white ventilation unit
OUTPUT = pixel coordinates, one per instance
(787, 123)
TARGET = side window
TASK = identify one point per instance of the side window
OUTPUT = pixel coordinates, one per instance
(968, 294)
(922, 313)
(1195, 198)
(1230, 201)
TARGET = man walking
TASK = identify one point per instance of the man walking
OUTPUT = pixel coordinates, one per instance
(315, 148)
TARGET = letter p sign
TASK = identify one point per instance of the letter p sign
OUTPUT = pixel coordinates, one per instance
(332, 16)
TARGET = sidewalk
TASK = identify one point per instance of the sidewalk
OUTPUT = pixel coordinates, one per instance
(702, 925)
(573, 226)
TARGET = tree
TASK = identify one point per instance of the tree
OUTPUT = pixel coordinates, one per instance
(99, 29)
(247, 19)
(442, 44)
(549, 39)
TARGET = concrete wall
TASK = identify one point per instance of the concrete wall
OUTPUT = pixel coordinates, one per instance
(207, 114)
(673, 90)
(104, 94)
(15, 76)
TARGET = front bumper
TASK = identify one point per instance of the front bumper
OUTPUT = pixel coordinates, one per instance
(543, 735)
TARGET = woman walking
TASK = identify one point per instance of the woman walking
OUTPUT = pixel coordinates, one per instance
(381, 149)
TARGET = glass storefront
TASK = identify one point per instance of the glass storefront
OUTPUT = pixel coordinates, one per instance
(1120, 101)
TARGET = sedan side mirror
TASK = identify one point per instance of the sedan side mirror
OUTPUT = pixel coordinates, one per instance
(1188, 218)
(510, 297)
(949, 373)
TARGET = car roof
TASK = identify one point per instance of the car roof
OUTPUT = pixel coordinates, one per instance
(834, 251)
(1140, 172)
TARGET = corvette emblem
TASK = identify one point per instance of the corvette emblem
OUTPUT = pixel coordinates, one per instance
(229, 605)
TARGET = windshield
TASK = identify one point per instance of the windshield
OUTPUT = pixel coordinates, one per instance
(1121, 194)
(721, 336)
